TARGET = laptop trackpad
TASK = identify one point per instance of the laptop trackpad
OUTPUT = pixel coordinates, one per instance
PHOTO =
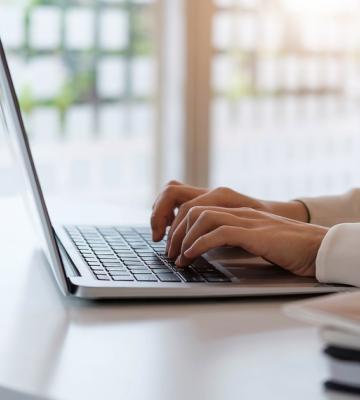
(245, 268)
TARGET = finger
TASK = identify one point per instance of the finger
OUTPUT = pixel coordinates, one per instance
(222, 236)
(206, 199)
(207, 222)
(173, 245)
(170, 183)
(163, 212)
(175, 239)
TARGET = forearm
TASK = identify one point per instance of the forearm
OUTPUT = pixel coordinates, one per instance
(295, 210)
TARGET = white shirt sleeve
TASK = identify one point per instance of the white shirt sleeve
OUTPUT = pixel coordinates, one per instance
(332, 210)
(338, 259)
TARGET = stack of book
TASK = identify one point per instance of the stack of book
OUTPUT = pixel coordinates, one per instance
(342, 350)
(339, 319)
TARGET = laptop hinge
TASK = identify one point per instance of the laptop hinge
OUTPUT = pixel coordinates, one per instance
(69, 266)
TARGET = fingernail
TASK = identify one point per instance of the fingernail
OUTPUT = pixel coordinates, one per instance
(178, 261)
(155, 236)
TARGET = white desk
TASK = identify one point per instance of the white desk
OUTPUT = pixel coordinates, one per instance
(63, 348)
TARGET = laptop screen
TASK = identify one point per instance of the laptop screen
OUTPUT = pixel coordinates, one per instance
(12, 125)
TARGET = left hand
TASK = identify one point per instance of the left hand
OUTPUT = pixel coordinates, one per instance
(290, 244)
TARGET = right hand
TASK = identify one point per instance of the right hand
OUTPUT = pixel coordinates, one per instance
(189, 201)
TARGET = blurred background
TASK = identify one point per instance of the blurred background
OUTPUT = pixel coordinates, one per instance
(119, 96)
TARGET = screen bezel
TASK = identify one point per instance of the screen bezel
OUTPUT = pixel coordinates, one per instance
(49, 241)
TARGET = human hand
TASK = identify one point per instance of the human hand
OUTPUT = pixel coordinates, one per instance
(183, 198)
(290, 244)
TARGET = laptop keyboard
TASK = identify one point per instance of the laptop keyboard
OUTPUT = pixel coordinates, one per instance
(128, 254)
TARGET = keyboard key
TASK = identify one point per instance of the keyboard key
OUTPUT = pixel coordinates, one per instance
(146, 252)
(158, 247)
(190, 276)
(125, 254)
(158, 270)
(91, 259)
(86, 253)
(145, 278)
(102, 277)
(138, 268)
(122, 278)
(167, 277)
(79, 241)
(119, 245)
(107, 257)
(112, 264)
(133, 263)
(124, 230)
(152, 257)
(154, 262)
(119, 273)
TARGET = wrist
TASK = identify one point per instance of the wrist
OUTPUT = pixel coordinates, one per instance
(295, 210)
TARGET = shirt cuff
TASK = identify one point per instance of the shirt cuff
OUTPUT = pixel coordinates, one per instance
(339, 254)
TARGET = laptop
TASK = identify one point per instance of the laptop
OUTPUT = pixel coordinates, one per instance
(98, 262)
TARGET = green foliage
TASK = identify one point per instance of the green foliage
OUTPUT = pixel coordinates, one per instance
(26, 99)
(240, 84)
(34, 3)
(143, 32)
(65, 97)
(80, 86)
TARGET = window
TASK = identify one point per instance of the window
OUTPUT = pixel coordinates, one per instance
(85, 73)
(285, 104)
(121, 95)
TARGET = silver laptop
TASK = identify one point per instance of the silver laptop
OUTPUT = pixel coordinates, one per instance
(97, 262)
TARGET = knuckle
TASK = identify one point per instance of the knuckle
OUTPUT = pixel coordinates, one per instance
(184, 208)
(201, 240)
(224, 230)
(206, 215)
(195, 211)
(223, 190)
(169, 190)
(172, 182)
(248, 210)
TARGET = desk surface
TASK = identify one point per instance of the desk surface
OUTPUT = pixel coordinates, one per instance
(63, 348)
